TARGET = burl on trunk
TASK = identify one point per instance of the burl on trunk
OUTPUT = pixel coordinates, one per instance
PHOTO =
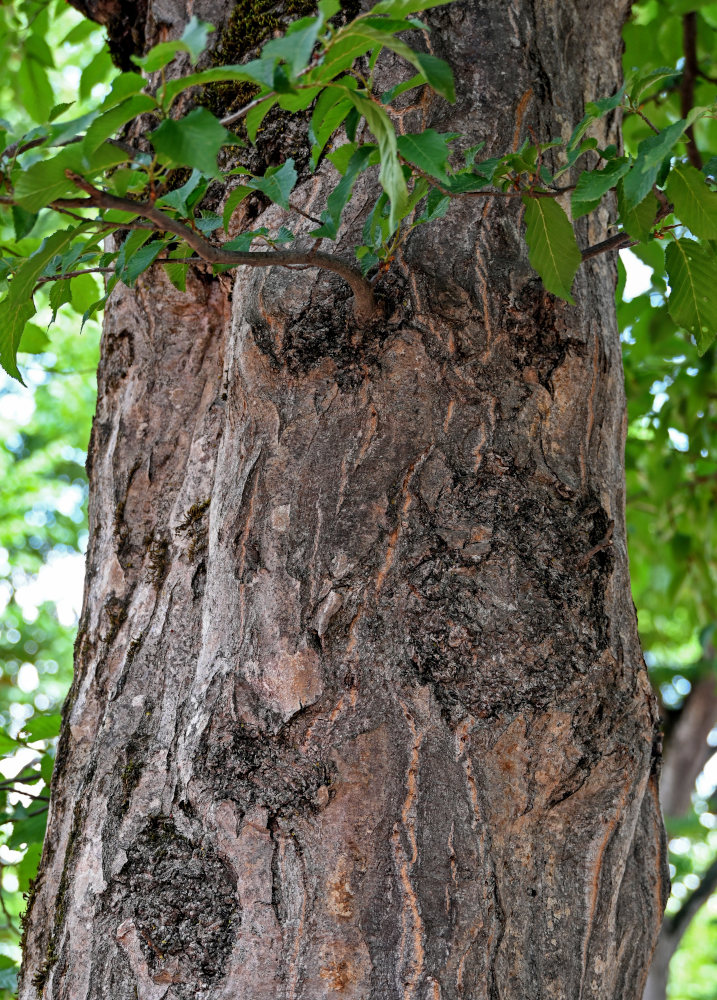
(359, 708)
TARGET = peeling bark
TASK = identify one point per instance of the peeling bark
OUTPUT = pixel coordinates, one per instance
(359, 705)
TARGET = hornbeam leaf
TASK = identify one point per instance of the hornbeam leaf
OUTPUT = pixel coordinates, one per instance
(193, 141)
(236, 197)
(277, 183)
(257, 72)
(429, 151)
(257, 115)
(695, 205)
(593, 184)
(638, 220)
(296, 46)
(554, 250)
(194, 37)
(340, 196)
(193, 41)
(330, 111)
(390, 175)
(17, 308)
(123, 86)
(692, 273)
(45, 180)
(141, 260)
(650, 154)
(109, 122)
(438, 74)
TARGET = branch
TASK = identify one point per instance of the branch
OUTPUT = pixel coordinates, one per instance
(620, 241)
(677, 924)
(22, 147)
(364, 303)
(687, 87)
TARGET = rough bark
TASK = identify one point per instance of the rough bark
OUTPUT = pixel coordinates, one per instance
(353, 715)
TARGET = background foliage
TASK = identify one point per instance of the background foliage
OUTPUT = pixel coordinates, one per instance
(671, 463)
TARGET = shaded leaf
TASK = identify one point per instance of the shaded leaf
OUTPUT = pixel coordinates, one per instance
(695, 205)
(593, 184)
(193, 141)
(637, 220)
(277, 183)
(554, 250)
(428, 150)
(692, 272)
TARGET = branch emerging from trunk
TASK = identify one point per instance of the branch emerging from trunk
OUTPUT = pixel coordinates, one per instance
(364, 302)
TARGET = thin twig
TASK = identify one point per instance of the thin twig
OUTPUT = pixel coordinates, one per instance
(76, 274)
(641, 114)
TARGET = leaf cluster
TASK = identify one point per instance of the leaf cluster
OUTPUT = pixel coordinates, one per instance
(78, 170)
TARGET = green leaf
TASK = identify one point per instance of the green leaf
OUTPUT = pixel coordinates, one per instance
(108, 123)
(650, 154)
(256, 72)
(593, 184)
(34, 340)
(84, 290)
(42, 727)
(330, 111)
(277, 183)
(45, 180)
(390, 95)
(23, 222)
(554, 250)
(136, 239)
(176, 272)
(188, 194)
(695, 205)
(438, 74)
(637, 220)
(7, 743)
(59, 109)
(429, 151)
(193, 40)
(257, 115)
(593, 111)
(400, 8)
(34, 89)
(340, 196)
(195, 36)
(296, 47)
(96, 71)
(141, 260)
(59, 295)
(692, 273)
(193, 141)
(236, 197)
(390, 175)
(437, 204)
(243, 243)
(18, 307)
(644, 81)
(123, 86)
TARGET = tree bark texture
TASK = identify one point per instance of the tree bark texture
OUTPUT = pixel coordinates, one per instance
(360, 709)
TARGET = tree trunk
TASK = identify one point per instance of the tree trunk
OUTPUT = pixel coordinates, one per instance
(359, 706)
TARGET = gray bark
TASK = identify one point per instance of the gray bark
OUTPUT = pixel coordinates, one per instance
(352, 714)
